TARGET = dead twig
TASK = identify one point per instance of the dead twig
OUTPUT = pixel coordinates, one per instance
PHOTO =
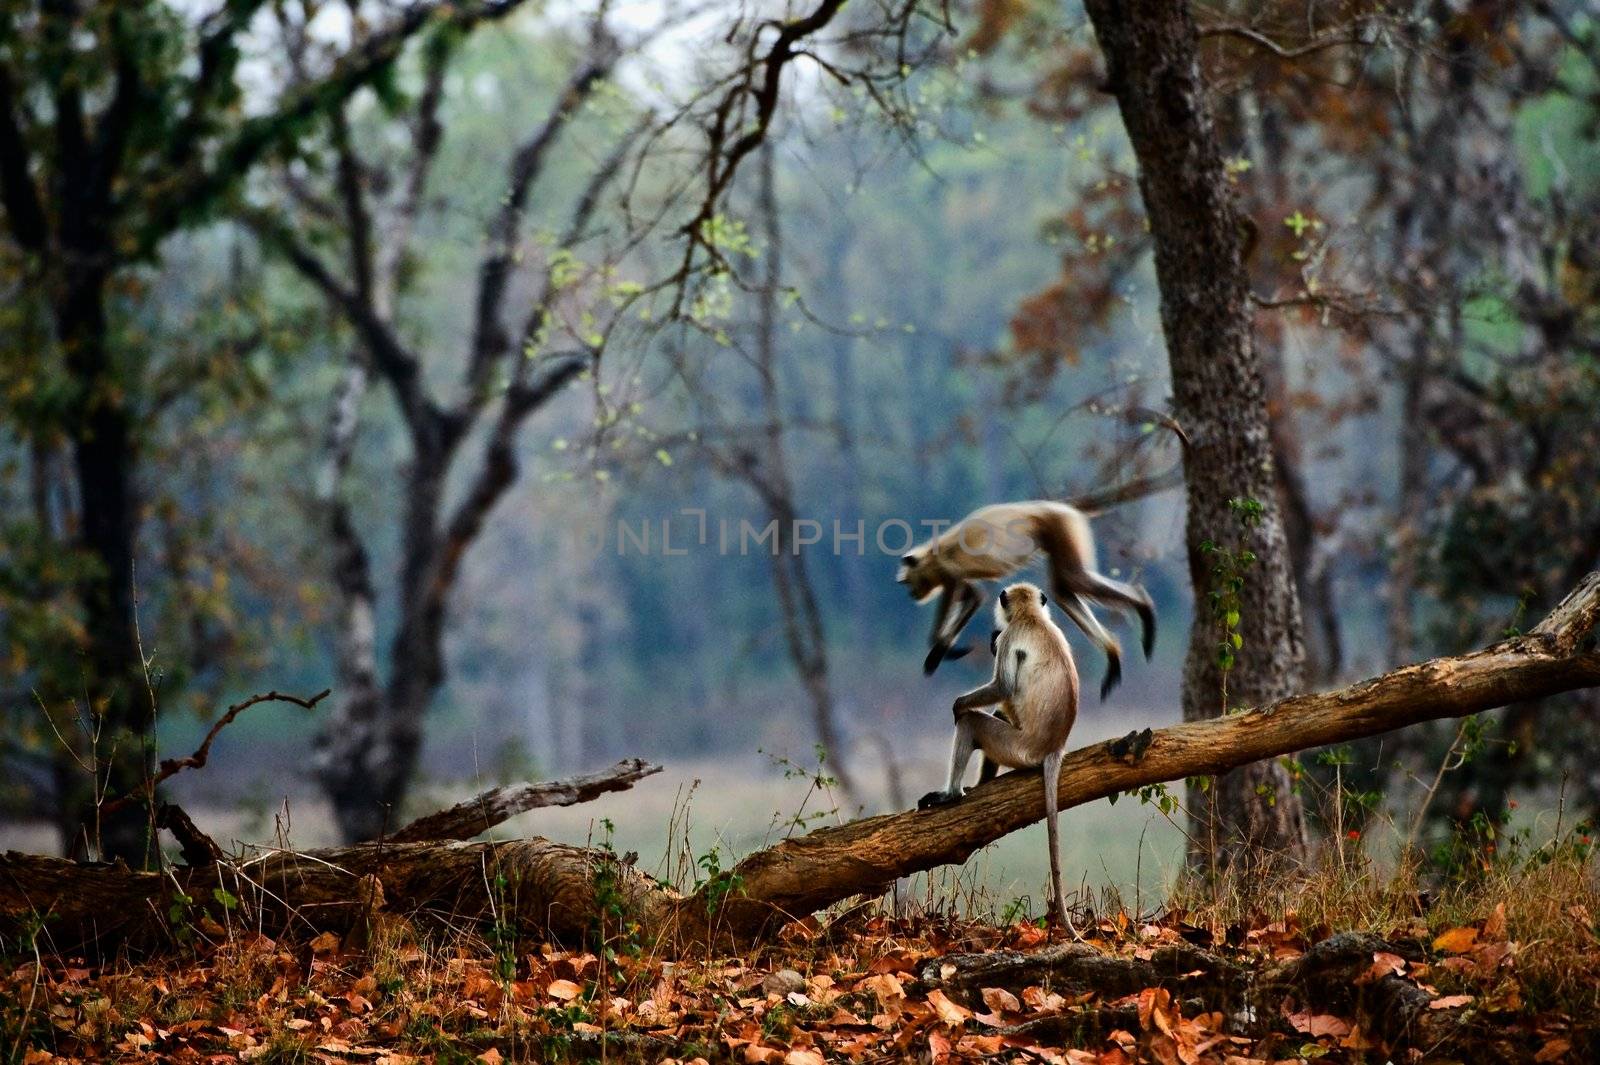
(170, 767)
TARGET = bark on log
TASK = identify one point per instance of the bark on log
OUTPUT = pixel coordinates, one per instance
(554, 890)
(1333, 976)
(482, 812)
(1186, 971)
(545, 889)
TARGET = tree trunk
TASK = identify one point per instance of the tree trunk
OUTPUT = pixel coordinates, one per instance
(804, 632)
(551, 889)
(1153, 66)
(103, 455)
(370, 747)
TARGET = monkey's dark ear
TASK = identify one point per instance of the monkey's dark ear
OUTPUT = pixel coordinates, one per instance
(1002, 599)
(1044, 600)
(910, 560)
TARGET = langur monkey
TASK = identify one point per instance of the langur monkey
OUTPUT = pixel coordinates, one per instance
(1036, 686)
(994, 542)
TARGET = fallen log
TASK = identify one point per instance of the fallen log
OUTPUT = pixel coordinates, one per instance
(562, 891)
(807, 873)
(424, 868)
(1187, 971)
(1334, 976)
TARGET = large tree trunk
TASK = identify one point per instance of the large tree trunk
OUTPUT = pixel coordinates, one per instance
(1152, 61)
(551, 889)
(104, 455)
(370, 747)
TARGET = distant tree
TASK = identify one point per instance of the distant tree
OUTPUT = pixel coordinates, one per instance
(121, 123)
(563, 301)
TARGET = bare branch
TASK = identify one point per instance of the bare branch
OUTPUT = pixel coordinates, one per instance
(170, 767)
(758, 83)
(1261, 40)
(392, 359)
(577, 225)
(427, 135)
(489, 341)
(481, 813)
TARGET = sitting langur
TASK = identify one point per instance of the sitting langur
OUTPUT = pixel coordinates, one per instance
(994, 542)
(1036, 686)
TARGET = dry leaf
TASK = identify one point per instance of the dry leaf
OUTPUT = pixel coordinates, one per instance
(1042, 1001)
(565, 990)
(949, 1013)
(803, 1056)
(1495, 927)
(1318, 1025)
(885, 986)
(1449, 1002)
(490, 1057)
(1000, 1000)
(1552, 1050)
(1456, 941)
(1383, 964)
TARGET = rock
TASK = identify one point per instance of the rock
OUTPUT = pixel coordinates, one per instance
(784, 982)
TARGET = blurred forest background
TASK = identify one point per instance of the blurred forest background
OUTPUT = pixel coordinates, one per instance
(335, 334)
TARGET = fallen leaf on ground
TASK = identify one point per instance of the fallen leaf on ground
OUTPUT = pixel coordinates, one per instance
(950, 1013)
(1318, 1025)
(1553, 1050)
(1456, 941)
(565, 990)
(1495, 926)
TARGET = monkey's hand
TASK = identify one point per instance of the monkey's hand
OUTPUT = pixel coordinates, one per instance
(937, 798)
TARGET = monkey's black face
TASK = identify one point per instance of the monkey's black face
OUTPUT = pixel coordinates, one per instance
(920, 581)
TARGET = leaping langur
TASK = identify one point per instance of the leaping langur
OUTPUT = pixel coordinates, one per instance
(994, 542)
(1036, 686)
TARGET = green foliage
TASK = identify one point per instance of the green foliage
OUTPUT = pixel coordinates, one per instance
(1225, 595)
(717, 884)
(616, 927)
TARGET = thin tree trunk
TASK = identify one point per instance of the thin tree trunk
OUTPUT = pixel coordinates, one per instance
(340, 755)
(804, 632)
(1153, 65)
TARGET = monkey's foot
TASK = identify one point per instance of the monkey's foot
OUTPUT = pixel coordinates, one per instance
(937, 654)
(937, 798)
(1131, 748)
(1113, 677)
(1147, 622)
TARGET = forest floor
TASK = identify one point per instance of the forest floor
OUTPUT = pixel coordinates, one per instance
(1501, 964)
